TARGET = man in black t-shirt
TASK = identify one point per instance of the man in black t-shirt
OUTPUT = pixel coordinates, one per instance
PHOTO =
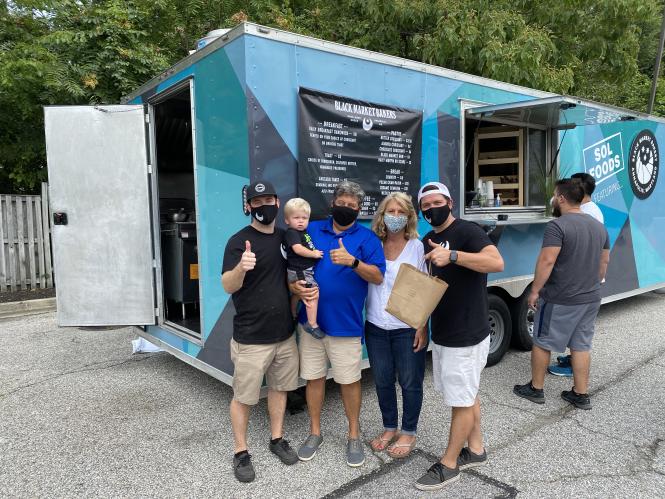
(263, 344)
(461, 254)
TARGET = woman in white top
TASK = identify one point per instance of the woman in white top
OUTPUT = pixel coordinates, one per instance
(396, 350)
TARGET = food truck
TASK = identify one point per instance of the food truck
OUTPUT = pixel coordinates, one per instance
(145, 194)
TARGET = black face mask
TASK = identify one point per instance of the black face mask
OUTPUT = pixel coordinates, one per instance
(437, 216)
(343, 215)
(265, 214)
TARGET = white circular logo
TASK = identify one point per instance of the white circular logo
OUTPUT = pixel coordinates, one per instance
(260, 188)
(644, 163)
(367, 124)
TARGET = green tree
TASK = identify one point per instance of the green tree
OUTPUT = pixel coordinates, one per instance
(95, 51)
(23, 67)
(92, 52)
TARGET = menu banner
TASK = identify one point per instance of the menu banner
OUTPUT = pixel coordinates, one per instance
(375, 145)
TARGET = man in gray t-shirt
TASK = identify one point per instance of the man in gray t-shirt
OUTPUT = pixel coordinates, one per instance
(566, 293)
(575, 277)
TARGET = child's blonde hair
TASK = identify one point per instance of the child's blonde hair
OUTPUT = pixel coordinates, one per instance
(296, 204)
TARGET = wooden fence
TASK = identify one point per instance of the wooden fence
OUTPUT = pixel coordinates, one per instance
(25, 242)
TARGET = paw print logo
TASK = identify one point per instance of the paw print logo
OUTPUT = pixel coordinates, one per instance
(644, 164)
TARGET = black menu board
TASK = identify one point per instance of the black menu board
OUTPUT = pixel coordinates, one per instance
(372, 144)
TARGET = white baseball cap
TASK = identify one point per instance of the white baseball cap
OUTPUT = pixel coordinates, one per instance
(439, 189)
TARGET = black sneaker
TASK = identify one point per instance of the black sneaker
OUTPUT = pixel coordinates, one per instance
(530, 393)
(564, 361)
(468, 459)
(579, 400)
(242, 468)
(284, 452)
(437, 477)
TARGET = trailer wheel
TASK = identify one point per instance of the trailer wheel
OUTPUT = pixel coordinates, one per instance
(523, 318)
(500, 329)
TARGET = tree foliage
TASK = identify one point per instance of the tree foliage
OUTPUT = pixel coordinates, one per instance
(95, 51)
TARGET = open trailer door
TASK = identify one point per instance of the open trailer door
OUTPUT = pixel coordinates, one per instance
(100, 202)
(555, 113)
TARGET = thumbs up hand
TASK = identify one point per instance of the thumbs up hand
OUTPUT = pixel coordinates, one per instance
(341, 256)
(248, 259)
(438, 255)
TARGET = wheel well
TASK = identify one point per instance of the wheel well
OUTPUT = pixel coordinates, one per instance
(503, 294)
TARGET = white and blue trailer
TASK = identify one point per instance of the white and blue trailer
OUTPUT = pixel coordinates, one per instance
(144, 195)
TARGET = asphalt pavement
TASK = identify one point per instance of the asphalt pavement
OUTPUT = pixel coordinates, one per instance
(81, 416)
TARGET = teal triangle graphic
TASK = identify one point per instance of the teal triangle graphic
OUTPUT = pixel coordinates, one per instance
(614, 221)
(649, 260)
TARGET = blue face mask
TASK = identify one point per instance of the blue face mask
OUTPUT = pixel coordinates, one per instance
(395, 223)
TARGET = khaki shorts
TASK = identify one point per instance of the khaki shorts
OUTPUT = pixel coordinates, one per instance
(343, 352)
(277, 361)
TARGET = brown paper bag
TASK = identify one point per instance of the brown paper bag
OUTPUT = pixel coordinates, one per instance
(415, 295)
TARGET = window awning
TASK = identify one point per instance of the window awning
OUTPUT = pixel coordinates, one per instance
(560, 112)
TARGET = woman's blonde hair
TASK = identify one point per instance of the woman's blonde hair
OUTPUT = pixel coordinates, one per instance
(404, 200)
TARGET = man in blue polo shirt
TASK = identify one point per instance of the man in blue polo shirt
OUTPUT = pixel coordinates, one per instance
(353, 257)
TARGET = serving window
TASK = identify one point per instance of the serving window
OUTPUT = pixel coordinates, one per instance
(505, 166)
(511, 150)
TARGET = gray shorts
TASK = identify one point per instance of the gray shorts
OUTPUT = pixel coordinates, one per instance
(306, 275)
(559, 326)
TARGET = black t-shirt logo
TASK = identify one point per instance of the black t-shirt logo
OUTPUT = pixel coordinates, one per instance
(644, 162)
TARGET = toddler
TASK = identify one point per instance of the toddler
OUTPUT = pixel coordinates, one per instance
(301, 256)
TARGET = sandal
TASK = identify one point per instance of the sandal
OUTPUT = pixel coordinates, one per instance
(401, 455)
(383, 442)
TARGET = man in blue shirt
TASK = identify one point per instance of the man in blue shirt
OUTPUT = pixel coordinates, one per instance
(353, 257)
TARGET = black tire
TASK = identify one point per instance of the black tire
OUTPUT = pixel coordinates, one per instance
(522, 322)
(500, 329)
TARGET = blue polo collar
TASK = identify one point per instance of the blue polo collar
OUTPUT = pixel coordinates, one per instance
(329, 228)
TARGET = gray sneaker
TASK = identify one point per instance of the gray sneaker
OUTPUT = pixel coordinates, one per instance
(468, 459)
(437, 477)
(355, 454)
(309, 447)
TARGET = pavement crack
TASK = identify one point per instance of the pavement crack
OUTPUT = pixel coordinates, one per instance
(86, 368)
(389, 466)
(600, 432)
(383, 469)
(509, 489)
(485, 395)
(651, 452)
(549, 419)
(582, 476)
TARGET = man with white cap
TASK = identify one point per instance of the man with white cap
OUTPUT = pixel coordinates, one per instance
(461, 254)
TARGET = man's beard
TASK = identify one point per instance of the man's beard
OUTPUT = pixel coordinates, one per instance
(556, 211)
